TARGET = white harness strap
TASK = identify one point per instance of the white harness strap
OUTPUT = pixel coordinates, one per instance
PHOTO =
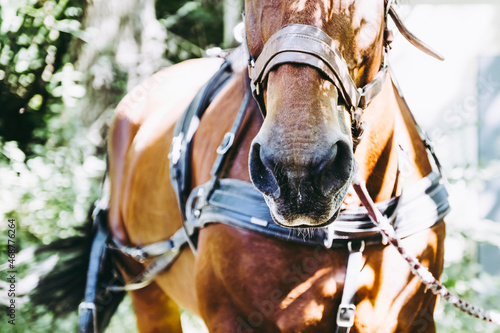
(347, 309)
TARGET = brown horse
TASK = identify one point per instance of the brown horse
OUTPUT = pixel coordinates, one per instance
(301, 158)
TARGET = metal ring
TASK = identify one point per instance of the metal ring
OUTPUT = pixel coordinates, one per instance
(224, 147)
(361, 246)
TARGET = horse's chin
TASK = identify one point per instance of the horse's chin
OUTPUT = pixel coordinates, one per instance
(303, 221)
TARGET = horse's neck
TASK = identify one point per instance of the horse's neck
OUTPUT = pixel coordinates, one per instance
(391, 139)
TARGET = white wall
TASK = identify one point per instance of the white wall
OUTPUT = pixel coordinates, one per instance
(443, 95)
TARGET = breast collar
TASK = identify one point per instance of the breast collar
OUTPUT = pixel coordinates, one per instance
(239, 204)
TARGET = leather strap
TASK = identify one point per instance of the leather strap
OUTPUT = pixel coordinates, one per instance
(414, 40)
(185, 128)
(308, 45)
(87, 310)
(347, 308)
(157, 266)
(143, 253)
(228, 140)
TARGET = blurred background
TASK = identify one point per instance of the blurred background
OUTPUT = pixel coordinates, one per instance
(65, 64)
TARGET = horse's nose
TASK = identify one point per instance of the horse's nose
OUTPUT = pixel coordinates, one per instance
(263, 171)
(335, 168)
(327, 169)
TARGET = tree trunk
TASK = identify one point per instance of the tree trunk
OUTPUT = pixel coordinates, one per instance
(232, 16)
(124, 45)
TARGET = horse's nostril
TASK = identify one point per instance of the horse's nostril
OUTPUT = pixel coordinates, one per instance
(335, 169)
(329, 156)
(262, 173)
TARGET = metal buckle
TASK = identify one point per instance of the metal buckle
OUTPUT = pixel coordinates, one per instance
(91, 307)
(345, 315)
(139, 255)
(227, 142)
(361, 246)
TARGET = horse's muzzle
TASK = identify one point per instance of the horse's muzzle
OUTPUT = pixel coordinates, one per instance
(302, 189)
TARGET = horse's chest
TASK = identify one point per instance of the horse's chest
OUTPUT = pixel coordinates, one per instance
(275, 286)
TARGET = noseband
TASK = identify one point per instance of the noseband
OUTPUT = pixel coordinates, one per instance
(308, 45)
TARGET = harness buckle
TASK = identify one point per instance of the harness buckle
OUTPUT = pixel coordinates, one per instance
(361, 247)
(345, 315)
(90, 306)
(139, 255)
(227, 142)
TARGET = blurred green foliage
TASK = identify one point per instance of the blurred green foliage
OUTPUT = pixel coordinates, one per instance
(192, 26)
(34, 41)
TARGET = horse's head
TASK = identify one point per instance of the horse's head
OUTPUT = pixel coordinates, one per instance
(302, 159)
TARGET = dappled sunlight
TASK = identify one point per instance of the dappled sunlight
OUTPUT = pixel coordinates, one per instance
(313, 312)
(306, 286)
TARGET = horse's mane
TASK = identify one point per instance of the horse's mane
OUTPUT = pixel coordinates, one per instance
(239, 59)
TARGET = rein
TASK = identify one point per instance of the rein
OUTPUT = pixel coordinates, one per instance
(431, 283)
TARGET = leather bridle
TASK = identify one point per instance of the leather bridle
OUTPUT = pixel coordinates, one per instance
(308, 45)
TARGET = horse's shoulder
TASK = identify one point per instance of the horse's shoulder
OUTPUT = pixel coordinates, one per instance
(166, 89)
(141, 131)
(139, 141)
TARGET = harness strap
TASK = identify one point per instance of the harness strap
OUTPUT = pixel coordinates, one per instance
(142, 254)
(347, 309)
(165, 253)
(227, 141)
(415, 41)
(308, 45)
(180, 152)
(87, 309)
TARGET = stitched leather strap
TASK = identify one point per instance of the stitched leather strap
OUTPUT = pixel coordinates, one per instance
(87, 310)
(308, 45)
(347, 308)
